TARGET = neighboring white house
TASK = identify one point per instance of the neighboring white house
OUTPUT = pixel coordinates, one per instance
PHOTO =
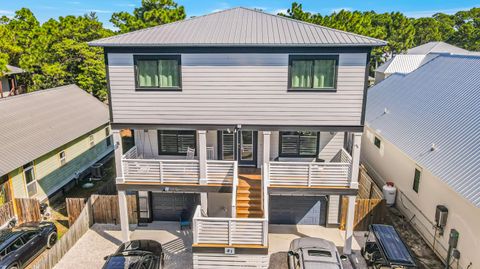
(422, 133)
(414, 58)
(243, 119)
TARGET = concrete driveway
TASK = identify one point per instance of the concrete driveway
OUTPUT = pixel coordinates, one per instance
(280, 237)
(102, 240)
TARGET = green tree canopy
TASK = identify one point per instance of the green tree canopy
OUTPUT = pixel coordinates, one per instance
(151, 13)
(56, 52)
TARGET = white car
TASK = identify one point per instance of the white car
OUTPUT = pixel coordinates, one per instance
(309, 253)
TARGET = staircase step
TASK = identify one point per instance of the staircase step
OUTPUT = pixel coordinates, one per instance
(253, 198)
(247, 205)
(249, 211)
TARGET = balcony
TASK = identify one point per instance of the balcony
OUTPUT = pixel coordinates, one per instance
(335, 173)
(175, 172)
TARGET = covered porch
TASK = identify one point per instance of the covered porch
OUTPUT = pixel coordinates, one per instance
(294, 162)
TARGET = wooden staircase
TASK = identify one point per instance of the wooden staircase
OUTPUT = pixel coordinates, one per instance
(249, 196)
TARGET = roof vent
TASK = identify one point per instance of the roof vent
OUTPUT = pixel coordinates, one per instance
(434, 147)
(386, 111)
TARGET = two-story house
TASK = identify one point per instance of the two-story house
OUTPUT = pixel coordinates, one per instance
(241, 118)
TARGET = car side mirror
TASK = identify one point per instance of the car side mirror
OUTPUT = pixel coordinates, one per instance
(292, 253)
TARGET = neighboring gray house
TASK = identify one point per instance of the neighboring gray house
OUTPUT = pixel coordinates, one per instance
(422, 133)
(8, 82)
(414, 58)
(255, 118)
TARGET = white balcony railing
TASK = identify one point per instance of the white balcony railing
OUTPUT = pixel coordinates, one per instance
(175, 171)
(310, 174)
(229, 231)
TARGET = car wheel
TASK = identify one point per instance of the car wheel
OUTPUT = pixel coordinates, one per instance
(51, 240)
(15, 266)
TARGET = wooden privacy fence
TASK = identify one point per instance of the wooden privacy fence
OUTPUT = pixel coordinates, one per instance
(25, 209)
(370, 207)
(74, 233)
(6, 213)
(105, 209)
(28, 210)
(74, 208)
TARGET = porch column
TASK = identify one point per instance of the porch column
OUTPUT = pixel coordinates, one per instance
(204, 202)
(266, 146)
(347, 249)
(202, 155)
(123, 211)
(357, 142)
(117, 145)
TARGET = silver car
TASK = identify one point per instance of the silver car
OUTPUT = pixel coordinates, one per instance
(309, 253)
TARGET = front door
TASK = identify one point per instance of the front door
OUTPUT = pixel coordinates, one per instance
(240, 146)
(247, 148)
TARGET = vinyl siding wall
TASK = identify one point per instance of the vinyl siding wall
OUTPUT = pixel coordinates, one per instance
(389, 163)
(227, 89)
(51, 175)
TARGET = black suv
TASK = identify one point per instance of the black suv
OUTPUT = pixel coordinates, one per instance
(136, 254)
(20, 245)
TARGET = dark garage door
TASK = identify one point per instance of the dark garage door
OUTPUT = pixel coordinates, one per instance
(306, 210)
(168, 206)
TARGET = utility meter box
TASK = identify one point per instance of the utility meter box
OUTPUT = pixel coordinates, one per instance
(441, 215)
(453, 240)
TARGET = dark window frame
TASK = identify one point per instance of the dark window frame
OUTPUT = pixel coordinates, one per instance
(160, 152)
(292, 58)
(289, 155)
(377, 142)
(417, 177)
(156, 58)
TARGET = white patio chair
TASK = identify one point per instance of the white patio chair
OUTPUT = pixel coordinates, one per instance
(190, 153)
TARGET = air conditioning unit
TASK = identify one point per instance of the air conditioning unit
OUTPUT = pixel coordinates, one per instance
(97, 170)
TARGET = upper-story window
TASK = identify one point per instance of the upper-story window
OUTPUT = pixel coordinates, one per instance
(299, 144)
(159, 72)
(313, 72)
(171, 142)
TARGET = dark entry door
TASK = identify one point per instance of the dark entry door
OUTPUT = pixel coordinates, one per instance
(247, 148)
(240, 146)
(168, 206)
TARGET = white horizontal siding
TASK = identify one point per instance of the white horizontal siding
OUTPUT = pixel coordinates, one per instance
(228, 89)
(218, 260)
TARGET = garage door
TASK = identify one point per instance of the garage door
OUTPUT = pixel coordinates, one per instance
(306, 210)
(168, 206)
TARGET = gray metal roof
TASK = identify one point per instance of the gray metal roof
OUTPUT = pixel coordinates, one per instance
(36, 123)
(238, 27)
(437, 47)
(439, 103)
(13, 70)
(402, 63)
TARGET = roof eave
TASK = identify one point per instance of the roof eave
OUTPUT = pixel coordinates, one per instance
(93, 44)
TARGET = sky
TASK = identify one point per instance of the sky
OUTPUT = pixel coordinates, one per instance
(46, 9)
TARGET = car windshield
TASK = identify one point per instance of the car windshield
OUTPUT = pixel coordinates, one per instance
(123, 262)
(319, 253)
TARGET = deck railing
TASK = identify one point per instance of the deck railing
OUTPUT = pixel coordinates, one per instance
(175, 171)
(229, 231)
(221, 172)
(311, 174)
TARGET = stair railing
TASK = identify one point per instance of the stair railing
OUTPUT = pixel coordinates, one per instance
(234, 189)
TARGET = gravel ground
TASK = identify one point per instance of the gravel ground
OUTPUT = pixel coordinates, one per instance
(424, 255)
